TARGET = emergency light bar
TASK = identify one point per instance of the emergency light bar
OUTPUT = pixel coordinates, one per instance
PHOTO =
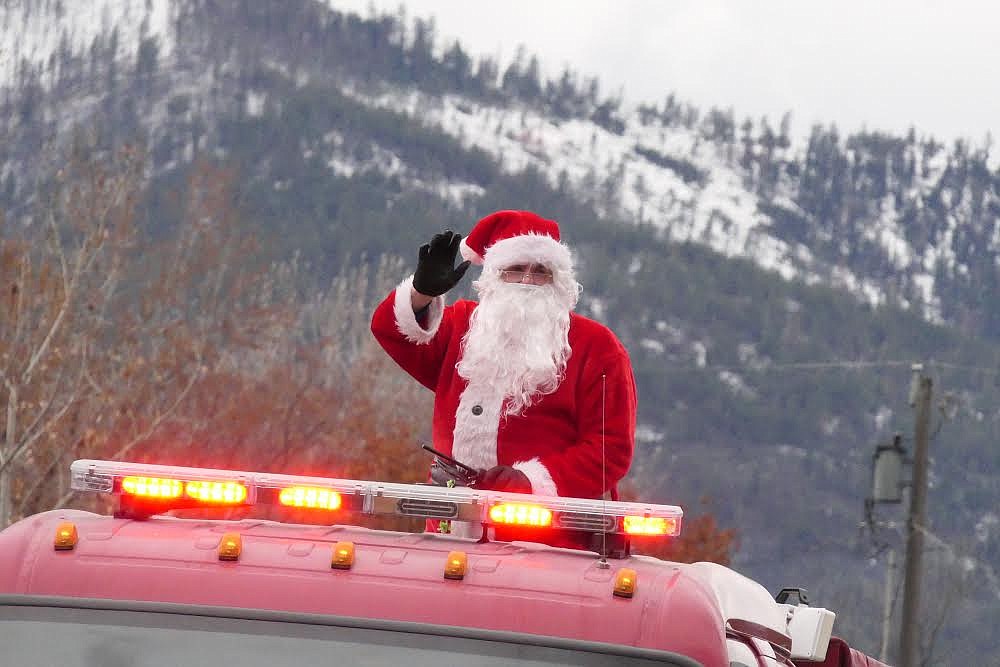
(147, 489)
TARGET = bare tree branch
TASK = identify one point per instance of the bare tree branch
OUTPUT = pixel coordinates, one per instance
(155, 424)
(40, 479)
(57, 246)
(53, 328)
(159, 418)
(18, 314)
(6, 380)
(45, 408)
(28, 441)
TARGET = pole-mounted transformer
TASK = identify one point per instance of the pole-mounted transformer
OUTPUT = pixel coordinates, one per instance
(887, 471)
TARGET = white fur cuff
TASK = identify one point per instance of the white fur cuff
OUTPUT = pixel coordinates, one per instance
(406, 321)
(541, 480)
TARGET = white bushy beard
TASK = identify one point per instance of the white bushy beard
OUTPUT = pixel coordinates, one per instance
(518, 339)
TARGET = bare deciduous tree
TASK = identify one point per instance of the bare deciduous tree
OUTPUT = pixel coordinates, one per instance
(58, 286)
(104, 333)
(191, 350)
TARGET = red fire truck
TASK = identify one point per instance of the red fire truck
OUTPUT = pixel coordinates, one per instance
(142, 587)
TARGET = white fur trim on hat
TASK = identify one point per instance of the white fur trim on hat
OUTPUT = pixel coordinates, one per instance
(406, 320)
(529, 248)
(470, 254)
(541, 480)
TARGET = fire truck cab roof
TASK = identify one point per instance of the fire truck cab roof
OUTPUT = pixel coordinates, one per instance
(145, 588)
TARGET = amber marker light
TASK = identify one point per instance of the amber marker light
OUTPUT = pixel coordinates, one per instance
(520, 514)
(229, 493)
(625, 582)
(66, 536)
(230, 546)
(455, 566)
(152, 487)
(651, 525)
(311, 497)
(343, 556)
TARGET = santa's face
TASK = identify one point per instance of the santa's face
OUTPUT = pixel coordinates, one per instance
(518, 337)
(532, 274)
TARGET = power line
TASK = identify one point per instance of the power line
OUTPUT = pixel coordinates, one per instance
(801, 365)
(992, 578)
(963, 367)
(834, 365)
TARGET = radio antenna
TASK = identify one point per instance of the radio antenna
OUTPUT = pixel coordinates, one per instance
(603, 563)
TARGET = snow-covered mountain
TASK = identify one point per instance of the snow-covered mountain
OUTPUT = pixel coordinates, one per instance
(718, 209)
(643, 169)
(39, 32)
(330, 120)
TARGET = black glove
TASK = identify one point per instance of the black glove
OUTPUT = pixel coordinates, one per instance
(504, 478)
(446, 474)
(436, 271)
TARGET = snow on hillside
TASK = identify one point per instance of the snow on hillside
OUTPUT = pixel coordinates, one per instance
(712, 208)
(36, 30)
(718, 211)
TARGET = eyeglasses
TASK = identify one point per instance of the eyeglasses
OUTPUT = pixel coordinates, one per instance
(533, 275)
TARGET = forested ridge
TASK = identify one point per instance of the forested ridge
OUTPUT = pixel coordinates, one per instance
(198, 221)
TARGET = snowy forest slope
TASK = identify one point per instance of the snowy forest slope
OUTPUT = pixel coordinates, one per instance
(772, 295)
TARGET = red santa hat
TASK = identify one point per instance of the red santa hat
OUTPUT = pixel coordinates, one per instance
(515, 237)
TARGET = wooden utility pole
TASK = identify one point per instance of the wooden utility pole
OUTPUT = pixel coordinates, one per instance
(890, 582)
(920, 399)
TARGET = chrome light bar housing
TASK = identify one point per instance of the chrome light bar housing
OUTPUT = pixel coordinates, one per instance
(388, 498)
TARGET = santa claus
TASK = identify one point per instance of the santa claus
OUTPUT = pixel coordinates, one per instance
(538, 397)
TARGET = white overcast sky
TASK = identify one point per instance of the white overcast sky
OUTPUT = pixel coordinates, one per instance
(881, 65)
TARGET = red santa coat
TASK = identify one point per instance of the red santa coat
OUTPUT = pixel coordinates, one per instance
(559, 442)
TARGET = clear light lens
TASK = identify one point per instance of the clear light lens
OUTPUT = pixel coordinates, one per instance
(521, 514)
(153, 487)
(308, 496)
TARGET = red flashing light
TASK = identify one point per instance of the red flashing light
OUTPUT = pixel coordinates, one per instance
(162, 488)
(147, 489)
(229, 493)
(153, 487)
(311, 497)
(521, 514)
(651, 525)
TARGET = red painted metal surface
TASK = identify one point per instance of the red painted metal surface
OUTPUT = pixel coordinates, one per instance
(839, 654)
(396, 576)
